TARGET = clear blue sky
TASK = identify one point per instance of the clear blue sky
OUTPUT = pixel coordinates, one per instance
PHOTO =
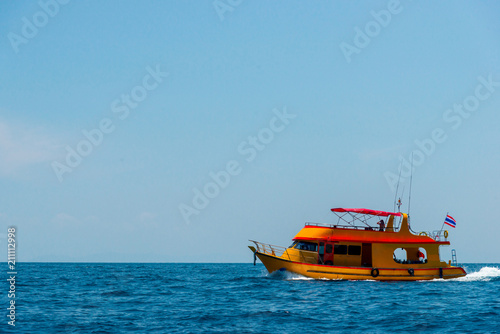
(229, 65)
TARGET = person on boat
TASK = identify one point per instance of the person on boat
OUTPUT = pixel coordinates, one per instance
(382, 225)
(421, 256)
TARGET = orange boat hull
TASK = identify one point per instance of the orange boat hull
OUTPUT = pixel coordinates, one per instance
(317, 271)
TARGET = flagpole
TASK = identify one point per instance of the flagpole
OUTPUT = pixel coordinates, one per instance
(444, 220)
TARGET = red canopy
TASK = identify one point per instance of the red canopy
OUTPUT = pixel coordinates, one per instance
(368, 212)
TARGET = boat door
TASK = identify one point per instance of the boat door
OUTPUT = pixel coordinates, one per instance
(366, 255)
(328, 256)
(321, 253)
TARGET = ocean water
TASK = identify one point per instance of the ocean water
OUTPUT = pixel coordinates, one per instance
(242, 298)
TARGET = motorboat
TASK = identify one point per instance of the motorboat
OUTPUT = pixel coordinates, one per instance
(363, 244)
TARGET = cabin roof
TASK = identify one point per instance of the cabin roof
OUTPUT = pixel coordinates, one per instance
(335, 233)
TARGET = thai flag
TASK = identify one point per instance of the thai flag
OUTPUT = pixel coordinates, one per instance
(450, 221)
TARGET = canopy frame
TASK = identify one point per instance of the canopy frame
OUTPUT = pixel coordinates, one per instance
(351, 216)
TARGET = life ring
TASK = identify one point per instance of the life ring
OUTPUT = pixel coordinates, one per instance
(411, 272)
(375, 272)
(445, 234)
(423, 233)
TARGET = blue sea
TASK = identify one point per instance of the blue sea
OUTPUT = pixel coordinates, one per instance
(242, 298)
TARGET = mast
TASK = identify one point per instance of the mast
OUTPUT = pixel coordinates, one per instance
(411, 179)
(397, 188)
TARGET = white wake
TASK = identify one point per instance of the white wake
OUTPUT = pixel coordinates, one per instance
(484, 274)
(288, 276)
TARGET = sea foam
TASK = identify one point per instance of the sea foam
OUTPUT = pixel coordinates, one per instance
(484, 274)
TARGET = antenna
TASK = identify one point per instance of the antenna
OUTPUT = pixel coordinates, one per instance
(397, 188)
(411, 179)
(399, 200)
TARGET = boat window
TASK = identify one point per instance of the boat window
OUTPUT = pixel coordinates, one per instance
(307, 246)
(340, 249)
(293, 245)
(354, 250)
(410, 255)
(329, 248)
(399, 255)
(347, 250)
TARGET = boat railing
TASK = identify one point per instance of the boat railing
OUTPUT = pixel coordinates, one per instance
(319, 224)
(353, 227)
(270, 249)
(279, 251)
(440, 235)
